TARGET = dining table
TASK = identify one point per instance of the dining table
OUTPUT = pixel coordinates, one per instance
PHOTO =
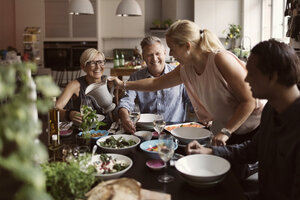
(178, 189)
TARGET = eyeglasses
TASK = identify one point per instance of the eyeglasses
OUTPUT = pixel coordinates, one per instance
(96, 62)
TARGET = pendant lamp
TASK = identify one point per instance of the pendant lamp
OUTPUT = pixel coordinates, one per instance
(129, 8)
(81, 7)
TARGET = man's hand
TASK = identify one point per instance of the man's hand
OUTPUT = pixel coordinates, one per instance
(128, 126)
(195, 148)
(219, 139)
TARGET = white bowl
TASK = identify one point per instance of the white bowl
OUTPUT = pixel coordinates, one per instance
(118, 157)
(200, 169)
(187, 134)
(123, 150)
(146, 121)
(145, 135)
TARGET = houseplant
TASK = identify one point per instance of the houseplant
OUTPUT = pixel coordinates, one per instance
(233, 33)
(20, 153)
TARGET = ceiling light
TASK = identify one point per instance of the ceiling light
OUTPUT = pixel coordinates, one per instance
(81, 7)
(129, 8)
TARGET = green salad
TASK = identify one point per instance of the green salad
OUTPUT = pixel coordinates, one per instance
(111, 142)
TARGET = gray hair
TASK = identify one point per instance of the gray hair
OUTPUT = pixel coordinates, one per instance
(149, 40)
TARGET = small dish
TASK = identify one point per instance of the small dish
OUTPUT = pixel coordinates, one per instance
(65, 132)
(145, 135)
(155, 164)
(98, 133)
(155, 134)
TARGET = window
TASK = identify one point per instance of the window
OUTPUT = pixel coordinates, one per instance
(274, 23)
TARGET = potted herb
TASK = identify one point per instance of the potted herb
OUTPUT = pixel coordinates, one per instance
(233, 33)
(156, 23)
(89, 122)
(167, 23)
(70, 180)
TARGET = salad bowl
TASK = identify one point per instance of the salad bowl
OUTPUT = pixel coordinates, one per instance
(111, 166)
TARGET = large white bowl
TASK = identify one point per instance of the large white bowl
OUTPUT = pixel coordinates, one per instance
(146, 121)
(118, 157)
(200, 169)
(187, 134)
(124, 150)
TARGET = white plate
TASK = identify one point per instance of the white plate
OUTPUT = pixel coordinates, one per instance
(100, 117)
(118, 157)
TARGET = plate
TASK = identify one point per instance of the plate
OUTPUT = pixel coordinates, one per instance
(188, 124)
(65, 132)
(100, 117)
(102, 132)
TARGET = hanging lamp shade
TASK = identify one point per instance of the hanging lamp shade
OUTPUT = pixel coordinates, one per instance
(129, 8)
(81, 7)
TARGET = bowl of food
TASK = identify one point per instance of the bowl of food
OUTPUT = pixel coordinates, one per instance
(187, 134)
(121, 144)
(144, 135)
(111, 166)
(202, 170)
(146, 121)
(93, 134)
(151, 149)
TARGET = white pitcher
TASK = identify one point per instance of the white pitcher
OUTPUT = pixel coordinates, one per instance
(103, 97)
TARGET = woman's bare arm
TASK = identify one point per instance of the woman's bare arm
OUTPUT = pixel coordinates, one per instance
(72, 88)
(234, 75)
(151, 84)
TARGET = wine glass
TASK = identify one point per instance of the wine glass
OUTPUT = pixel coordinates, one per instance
(135, 114)
(159, 123)
(166, 146)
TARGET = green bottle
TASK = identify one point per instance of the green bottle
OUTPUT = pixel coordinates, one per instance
(116, 60)
(122, 60)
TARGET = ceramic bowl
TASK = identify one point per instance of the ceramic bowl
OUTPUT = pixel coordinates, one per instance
(95, 134)
(146, 121)
(119, 150)
(118, 157)
(152, 143)
(200, 169)
(145, 135)
(187, 134)
(155, 164)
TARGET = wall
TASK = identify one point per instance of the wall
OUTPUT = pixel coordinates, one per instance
(8, 26)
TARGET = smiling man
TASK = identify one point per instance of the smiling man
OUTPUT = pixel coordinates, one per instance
(169, 102)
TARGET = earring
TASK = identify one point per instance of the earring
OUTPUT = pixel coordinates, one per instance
(188, 52)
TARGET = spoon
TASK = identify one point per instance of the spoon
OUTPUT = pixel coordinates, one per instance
(94, 150)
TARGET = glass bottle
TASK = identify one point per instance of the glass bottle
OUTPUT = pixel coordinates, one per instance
(122, 60)
(53, 125)
(116, 60)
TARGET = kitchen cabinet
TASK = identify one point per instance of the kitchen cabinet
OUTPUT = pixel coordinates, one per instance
(113, 26)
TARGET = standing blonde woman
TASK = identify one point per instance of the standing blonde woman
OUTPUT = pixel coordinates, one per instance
(92, 63)
(214, 80)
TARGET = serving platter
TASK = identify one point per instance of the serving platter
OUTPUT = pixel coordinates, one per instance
(188, 124)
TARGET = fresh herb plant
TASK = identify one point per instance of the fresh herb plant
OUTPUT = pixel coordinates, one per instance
(89, 120)
(20, 154)
(233, 32)
(70, 180)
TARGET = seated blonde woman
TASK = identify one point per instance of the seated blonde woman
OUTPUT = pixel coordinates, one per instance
(92, 62)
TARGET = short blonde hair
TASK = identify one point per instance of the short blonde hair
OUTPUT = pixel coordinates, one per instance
(88, 55)
(183, 31)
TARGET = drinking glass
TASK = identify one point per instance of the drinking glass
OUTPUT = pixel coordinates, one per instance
(159, 123)
(135, 114)
(166, 146)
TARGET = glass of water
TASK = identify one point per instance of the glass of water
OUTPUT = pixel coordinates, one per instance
(135, 114)
(166, 147)
(159, 123)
